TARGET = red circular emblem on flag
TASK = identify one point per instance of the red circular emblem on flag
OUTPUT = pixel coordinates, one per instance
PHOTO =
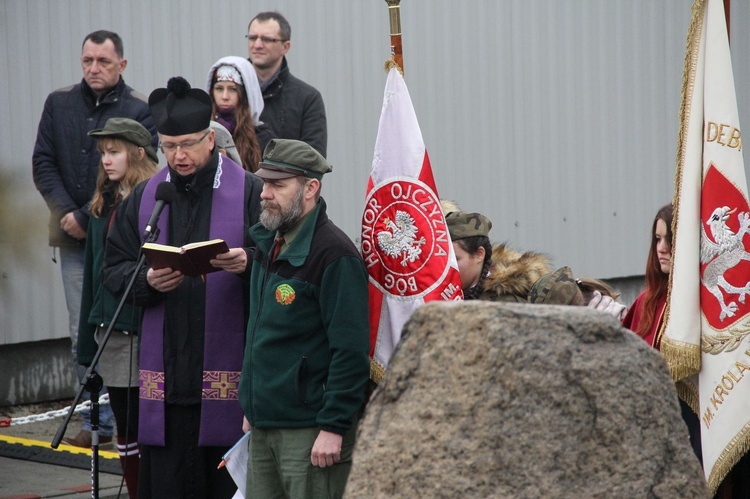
(405, 242)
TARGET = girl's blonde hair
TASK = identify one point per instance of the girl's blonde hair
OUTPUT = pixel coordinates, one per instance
(139, 169)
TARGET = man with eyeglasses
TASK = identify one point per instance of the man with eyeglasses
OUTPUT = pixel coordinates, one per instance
(193, 329)
(293, 108)
(65, 166)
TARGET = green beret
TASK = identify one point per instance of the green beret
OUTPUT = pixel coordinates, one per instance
(462, 224)
(284, 158)
(556, 288)
(130, 130)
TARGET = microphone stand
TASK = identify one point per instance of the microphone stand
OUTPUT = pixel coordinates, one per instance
(92, 382)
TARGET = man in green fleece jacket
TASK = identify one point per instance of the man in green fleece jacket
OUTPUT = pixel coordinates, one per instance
(306, 360)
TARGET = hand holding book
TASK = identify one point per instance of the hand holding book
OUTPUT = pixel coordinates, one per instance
(233, 261)
(192, 259)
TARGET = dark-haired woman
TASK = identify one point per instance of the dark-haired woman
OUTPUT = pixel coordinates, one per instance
(496, 273)
(645, 315)
(645, 319)
(237, 105)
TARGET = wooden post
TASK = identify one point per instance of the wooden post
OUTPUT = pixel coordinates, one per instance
(394, 15)
(726, 14)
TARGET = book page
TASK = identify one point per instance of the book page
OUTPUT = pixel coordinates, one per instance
(161, 247)
(235, 461)
(202, 243)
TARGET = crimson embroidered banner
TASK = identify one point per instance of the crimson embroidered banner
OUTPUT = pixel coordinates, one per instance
(707, 321)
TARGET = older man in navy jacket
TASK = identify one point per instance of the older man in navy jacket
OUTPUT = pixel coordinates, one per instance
(66, 161)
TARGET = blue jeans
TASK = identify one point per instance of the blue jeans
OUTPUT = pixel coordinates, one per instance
(71, 264)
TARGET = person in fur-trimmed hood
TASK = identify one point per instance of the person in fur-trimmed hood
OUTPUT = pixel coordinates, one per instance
(490, 273)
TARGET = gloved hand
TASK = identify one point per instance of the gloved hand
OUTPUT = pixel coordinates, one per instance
(608, 305)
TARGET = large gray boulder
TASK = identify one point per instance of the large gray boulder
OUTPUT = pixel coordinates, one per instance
(504, 400)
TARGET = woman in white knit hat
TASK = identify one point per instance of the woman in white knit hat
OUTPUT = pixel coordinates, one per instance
(237, 105)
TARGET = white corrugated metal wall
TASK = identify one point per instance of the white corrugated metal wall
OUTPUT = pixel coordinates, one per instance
(556, 118)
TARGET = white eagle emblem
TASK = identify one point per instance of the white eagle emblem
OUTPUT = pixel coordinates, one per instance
(725, 253)
(402, 238)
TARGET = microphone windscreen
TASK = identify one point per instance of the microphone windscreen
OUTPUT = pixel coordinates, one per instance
(165, 191)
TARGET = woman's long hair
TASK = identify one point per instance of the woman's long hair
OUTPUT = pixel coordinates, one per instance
(656, 280)
(589, 286)
(139, 169)
(244, 131)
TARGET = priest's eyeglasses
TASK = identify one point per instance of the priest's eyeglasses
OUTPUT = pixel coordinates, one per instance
(188, 145)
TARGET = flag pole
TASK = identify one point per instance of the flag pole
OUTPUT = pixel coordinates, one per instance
(727, 4)
(423, 269)
(394, 15)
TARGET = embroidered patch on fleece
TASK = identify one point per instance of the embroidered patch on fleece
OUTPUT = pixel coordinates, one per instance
(285, 294)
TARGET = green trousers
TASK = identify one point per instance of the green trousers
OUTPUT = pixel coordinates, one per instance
(279, 465)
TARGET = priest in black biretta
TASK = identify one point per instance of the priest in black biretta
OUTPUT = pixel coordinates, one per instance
(180, 109)
(193, 328)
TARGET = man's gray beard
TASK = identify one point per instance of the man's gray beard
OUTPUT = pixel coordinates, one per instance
(284, 219)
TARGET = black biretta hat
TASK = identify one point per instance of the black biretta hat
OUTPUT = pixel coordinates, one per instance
(180, 109)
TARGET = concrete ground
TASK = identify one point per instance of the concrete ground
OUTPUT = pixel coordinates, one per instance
(30, 468)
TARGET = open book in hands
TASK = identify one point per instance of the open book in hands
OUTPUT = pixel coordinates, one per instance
(192, 259)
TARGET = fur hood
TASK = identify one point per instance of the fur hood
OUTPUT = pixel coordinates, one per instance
(513, 273)
(249, 81)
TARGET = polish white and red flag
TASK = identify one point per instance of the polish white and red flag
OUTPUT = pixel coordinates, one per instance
(706, 332)
(405, 241)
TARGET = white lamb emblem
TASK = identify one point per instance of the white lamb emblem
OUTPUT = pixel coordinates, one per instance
(723, 254)
(402, 238)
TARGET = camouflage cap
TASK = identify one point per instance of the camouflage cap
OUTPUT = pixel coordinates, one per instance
(448, 205)
(462, 224)
(556, 288)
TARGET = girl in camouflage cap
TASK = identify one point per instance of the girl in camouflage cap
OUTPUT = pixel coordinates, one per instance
(496, 273)
(562, 288)
(500, 273)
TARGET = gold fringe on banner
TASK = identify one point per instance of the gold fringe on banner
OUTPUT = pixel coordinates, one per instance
(738, 447)
(684, 360)
(688, 392)
(377, 372)
(390, 64)
(688, 77)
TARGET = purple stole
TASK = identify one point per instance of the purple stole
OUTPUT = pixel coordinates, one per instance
(221, 413)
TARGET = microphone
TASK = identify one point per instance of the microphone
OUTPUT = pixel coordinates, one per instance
(165, 194)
